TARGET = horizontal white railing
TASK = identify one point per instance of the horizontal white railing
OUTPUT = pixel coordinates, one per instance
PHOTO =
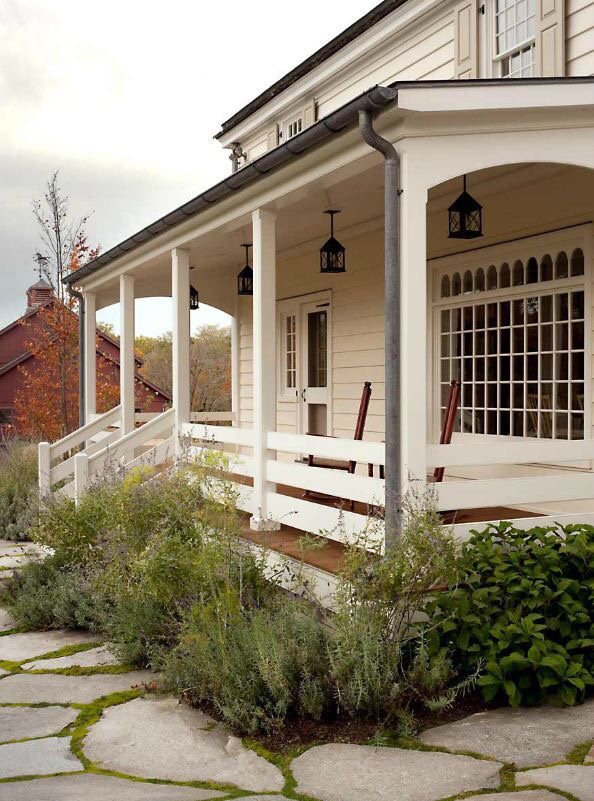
(104, 443)
(212, 417)
(550, 459)
(515, 452)
(93, 435)
(329, 447)
(123, 450)
(86, 432)
(218, 434)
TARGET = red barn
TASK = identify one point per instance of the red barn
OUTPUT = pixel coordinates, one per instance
(14, 353)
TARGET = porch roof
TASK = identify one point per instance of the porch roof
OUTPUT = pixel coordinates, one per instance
(406, 96)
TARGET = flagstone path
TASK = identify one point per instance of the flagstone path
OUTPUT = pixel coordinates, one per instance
(74, 724)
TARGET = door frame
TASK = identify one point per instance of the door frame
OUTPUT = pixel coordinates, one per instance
(294, 305)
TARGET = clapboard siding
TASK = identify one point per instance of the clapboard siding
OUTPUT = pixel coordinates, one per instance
(580, 37)
(417, 54)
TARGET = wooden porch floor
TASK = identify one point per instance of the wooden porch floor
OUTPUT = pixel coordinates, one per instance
(327, 554)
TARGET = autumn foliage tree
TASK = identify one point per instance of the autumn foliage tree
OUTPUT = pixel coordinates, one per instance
(210, 366)
(46, 403)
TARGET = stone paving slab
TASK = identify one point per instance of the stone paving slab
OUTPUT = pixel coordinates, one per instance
(341, 772)
(3, 672)
(9, 548)
(52, 688)
(589, 760)
(575, 779)
(94, 657)
(29, 644)
(527, 737)
(91, 787)
(35, 757)
(18, 722)
(7, 622)
(160, 738)
(14, 560)
(526, 795)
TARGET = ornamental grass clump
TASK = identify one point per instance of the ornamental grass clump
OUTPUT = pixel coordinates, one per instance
(261, 662)
(18, 488)
(380, 665)
(523, 607)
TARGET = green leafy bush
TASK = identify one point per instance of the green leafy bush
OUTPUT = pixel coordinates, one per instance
(18, 488)
(523, 609)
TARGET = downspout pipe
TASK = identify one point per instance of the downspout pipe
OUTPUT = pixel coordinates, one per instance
(81, 354)
(393, 488)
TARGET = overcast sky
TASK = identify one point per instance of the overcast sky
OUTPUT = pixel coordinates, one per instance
(123, 97)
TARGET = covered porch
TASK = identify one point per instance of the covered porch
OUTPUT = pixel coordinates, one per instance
(508, 315)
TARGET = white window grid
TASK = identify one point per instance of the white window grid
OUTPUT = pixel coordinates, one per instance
(290, 351)
(514, 37)
(515, 337)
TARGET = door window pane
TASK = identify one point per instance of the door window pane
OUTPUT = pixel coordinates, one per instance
(317, 334)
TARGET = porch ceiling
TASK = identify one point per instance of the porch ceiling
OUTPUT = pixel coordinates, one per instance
(217, 257)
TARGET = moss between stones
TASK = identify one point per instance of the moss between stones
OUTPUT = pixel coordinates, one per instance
(283, 763)
(577, 755)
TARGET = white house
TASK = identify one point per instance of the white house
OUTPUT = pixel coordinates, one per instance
(383, 123)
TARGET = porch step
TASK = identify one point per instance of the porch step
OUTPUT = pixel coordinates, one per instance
(319, 552)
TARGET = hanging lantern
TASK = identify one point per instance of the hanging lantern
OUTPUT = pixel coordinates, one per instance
(194, 299)
(245, 279)
(465, 217)
(332, 254)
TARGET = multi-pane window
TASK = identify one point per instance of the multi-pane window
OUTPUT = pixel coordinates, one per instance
(519, 354)
(290, 351)
(294, 127)
(515, 28)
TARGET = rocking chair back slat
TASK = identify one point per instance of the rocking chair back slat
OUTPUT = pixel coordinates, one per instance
(449, 420)
(361, 418)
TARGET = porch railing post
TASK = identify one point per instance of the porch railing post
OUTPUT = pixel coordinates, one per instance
(81, 475)
(180, 295)
(413, 260)
(127, 360)
(264, 342)
(44, 466)
(90, 356)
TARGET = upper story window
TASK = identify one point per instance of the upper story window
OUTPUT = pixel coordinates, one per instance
(294, 127)
(515, 32)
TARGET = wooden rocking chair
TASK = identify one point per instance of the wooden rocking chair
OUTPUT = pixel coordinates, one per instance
(447, 426)
(447, 429)
(334, 464)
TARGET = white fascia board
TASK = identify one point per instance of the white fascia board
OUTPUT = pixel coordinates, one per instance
(336, 64)
(483, 97)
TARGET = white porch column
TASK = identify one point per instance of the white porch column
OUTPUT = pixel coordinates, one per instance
(413, 266)
(127, 363)
(235, 334)
(90, 356)
(180, 295)
(264, 342)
